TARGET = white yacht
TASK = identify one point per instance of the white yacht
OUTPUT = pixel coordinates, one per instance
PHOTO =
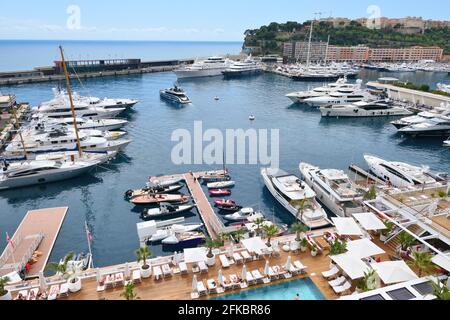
(289, 190)
(175, 94)
(399, 174)
(81, 110)
(380, 108)
(82, 123)
(412, 120)
(334, 189)
(245, 68)
(210, 67)
(300, 96)
(339, 97)
(447, 143)
(439, 126)
(27, 173)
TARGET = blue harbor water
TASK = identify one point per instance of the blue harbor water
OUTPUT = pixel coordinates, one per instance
(305, 288)
(99, 198)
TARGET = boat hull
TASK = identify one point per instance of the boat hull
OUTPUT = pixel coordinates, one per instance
(351, 113)
(188, 74)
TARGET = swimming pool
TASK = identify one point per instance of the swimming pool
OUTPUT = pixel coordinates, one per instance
(281, 291)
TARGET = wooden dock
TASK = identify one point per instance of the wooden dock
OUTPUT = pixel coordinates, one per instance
(37, 232)
(370, 178)
(213, 224)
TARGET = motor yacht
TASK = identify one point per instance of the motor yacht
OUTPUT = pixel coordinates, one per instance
(340, 97)
(380, 108)
(439, 126)
(238, 69)
(300, 96)
(81, 110)
(296, 197)
(210, 67)
(175, 94)
(82, 123)
(334, 189)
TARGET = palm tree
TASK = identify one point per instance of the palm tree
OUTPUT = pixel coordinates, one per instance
(270, 230)
(211, 244)
(299, 228)
(128, 292)
(422, 261)
(441, 292)
(337, 247)
(62, 267)
(301, 205)
(238, 235)
(406, 240)
(259, 223)
(223, 237)
(142, 254)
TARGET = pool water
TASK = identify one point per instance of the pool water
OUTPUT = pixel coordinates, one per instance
(281, 291)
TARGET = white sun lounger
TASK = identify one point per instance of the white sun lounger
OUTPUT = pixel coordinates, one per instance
(247, 257)
(238, 258)
(63, 290)
(341, 289)
(338, 282)
(258, 276)
(53, 293)
(224, 261)
(23, 293)
(136, 276)
(300, 266)
(157, 273)
(235, 281)
(272, 274)
(250, 279)
(212, 286)
(167, 270)
(201, 289)
(32, 294)
(332, 273)
(183, 268)
(226, 286)
(203, 267)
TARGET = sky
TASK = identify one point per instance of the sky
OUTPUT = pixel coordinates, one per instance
(188, 20)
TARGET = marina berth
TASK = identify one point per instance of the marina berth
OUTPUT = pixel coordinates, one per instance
(334, 189)
(374, 108)
(296, 197)
(211, 67)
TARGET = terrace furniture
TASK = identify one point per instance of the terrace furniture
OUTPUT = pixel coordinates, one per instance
(203, 267)
(212, 286)
(157, 273)
(300, 266)
(32, 294)
(276, 251)
(250, 279)
(119, 279)
(235, 281)
(258, 276)
(342, 289)
(22, 294)
(293, 270)
(281, 272)
(63, 291)
(224, 261)
(109, 281)
(136, 276)
(201, 289)
(338, 282)
(238, 258)
(294, 247)
(183, 268)
(53, 293)
(272, 274)
(331, 273)
(226, 284)
(246, 256)
(167, 271)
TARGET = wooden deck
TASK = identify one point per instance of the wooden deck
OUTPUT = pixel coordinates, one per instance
(37, 232)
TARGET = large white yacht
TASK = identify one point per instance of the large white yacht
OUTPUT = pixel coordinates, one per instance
(412, 120)
(339, 97)
(300, 96)
(82, 123)
(289, 190)
(245, 68)
(439, 126)
(84, 110)
(334, 189)
(380, 108)
(210, 67)
(399, 174)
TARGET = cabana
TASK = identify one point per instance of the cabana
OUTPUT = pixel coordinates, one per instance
(351, 265)
(392, 272)
(255, 245)
(369, 221)
(347, 227)
(363, 248)
(195, 255)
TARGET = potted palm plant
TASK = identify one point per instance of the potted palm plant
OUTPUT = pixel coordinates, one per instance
(259, 223)
(142, 254)
(299, 228)
(385, 232)
(67, 271)
(270, 230)
(367, 283)
(304, 245)
(128, 292)
(4, 294)
(406, 241)
(314, 250)
(422, 262)
(238, 235)
(211, 244)
(337, 247)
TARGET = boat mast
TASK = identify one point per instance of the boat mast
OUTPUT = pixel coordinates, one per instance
(308, 58)
(17, 125)
(69, 92)
(326, 52)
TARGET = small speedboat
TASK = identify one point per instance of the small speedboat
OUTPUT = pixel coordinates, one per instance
(166, 182)
(166, 232)
(186, 239)
(80, 262)
(159, 198)
(227, 209)
(247, 214)
(252, 118)
(164, 210)
(221, 184)
(220, 192)
(225, 203)
(153, 189)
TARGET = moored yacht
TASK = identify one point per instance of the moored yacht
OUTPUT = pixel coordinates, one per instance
(439, 126)
(300, 96)
(81, 110)
(412, 120)
(339, 97)
(334, 189)
(291, 193)
(380, 108)
(210, 67)
(175, 94)
(245, 68)
(82, 123)
(399, 174)
(447, 143)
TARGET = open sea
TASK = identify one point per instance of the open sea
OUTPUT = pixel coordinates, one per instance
(98, 198)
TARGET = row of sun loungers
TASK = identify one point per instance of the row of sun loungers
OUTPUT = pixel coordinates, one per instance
(55, 292)
(340, 284)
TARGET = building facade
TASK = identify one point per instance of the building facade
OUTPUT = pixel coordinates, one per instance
(298, 51)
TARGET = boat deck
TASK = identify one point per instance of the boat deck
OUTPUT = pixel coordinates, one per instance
(37, 232)
(213, 224)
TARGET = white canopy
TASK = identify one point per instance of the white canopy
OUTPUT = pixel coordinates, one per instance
(352, 266)
(369, 221)
(442, 261)
(392, 272)
(363, 248)
(347, 227)
(195, 255)
(256, 245)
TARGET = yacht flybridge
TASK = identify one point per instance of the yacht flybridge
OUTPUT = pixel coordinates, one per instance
(380, 108)
(402, 175)
(296, 197)
(210, 67)
(334, 189)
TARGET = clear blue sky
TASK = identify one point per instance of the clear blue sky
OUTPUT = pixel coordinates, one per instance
(185, 19)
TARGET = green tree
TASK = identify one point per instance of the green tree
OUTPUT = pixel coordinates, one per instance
(61, 267)
(142, 254)
(422, 261)
(212, 244)
(299, 228)
(337, 247)
(238, 235)
(406, 240)
(128, 292)
(270, 230)
(259, 223)
(371, 194)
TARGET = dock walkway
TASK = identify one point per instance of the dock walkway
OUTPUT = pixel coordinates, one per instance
(37, 232)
